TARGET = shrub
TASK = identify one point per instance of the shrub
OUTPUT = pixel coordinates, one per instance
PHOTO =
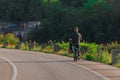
(91, 51)
(10, 38)
(63, 46)
(105, 57)
(24, 46)
(1, 38)
(89, 57)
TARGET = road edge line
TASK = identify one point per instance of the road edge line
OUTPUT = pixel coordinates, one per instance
(90, 70)
(13, 66)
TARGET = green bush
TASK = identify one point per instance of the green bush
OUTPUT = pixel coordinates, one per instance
(89, 57)
(1, 38)
(63, 46)
(10, 38)
(24, 46)
(105, 57)
(91, 51)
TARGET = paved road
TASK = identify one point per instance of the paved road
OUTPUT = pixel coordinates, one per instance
(40, 66)
(5, 70)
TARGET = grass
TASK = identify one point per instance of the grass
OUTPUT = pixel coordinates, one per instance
(105, 57)
(117, 65)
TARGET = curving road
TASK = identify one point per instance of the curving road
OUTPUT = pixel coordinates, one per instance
(39, 66)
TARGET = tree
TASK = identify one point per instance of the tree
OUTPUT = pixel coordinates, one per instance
(34, 10)
(98, 20)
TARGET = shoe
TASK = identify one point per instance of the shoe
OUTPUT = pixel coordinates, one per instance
(75, 59)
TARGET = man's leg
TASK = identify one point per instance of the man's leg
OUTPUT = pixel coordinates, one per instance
(74, 53)
(78, 53)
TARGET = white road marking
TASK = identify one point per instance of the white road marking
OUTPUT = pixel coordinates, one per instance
(14, 68)
(88, 69)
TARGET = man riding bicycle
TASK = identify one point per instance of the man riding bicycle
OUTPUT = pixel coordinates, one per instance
(75, 39)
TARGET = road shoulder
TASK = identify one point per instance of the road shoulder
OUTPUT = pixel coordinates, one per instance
(5, 70)
(111, 72)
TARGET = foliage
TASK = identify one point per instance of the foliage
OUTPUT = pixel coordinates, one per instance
(110, 46)
(20, 10)
(63, 46)
(1, 38)
(89, 50)
(10, 38)
(105, 57)
(98, 20)
(24, 46)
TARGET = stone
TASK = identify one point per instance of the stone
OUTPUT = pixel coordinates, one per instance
(18, 45)
(56, 48)
(115, 53)
(5, 44)
(43, 46)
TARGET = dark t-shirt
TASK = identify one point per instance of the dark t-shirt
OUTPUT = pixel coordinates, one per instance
(75, 38)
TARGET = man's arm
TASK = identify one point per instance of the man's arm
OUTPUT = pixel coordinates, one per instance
(80, 37)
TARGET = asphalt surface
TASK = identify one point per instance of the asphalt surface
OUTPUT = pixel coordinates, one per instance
(5, 70)
(109, 71)
(39, 66)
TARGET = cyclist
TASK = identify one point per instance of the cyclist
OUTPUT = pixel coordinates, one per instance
(75, 38)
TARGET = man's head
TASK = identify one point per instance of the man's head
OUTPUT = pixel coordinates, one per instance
(76, 29)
